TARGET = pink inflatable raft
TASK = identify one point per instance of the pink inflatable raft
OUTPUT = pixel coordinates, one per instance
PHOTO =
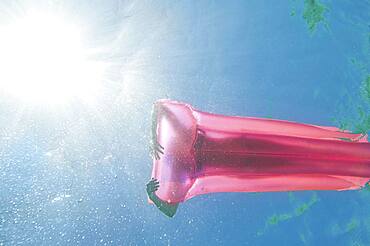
(205, 153)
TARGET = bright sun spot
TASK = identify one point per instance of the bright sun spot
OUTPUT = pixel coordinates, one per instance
(42, 59)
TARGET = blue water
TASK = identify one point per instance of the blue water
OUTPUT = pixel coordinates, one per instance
(77, 175)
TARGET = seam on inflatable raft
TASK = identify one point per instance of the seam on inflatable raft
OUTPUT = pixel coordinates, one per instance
(285, 155)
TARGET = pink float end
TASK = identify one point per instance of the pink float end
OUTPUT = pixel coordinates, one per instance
(206, 153)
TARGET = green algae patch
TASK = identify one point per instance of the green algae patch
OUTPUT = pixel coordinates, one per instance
(365, 88)
(313, 13)
(355, 108)
(352, 225)
(276, 219)
(364, 195)
(358, 64)
(367, 187)
(363, 125)
(363, 111)
(293, 11)
(356, 113)
(305, 206)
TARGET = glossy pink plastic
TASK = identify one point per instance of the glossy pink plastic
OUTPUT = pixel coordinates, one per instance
(205, 153)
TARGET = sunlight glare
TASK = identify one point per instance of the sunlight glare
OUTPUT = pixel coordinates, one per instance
(43, 60)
